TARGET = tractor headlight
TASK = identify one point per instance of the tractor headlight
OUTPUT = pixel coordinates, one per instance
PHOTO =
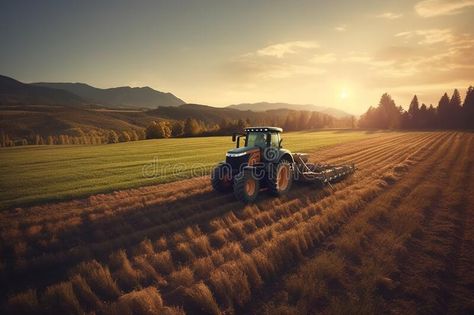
(235, 154)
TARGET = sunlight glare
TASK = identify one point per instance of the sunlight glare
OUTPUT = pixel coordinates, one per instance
(343, 94)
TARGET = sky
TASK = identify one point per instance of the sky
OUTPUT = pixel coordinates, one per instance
(343, 54)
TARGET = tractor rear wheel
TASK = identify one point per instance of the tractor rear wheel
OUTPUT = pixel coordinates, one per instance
(246, 186)
(280, 178)
(221, 178)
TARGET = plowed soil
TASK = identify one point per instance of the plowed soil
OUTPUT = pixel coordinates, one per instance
(396, 237)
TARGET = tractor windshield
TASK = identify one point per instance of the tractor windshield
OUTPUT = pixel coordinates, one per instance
(256, 139)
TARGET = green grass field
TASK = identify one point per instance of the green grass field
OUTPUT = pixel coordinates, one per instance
(34, 174)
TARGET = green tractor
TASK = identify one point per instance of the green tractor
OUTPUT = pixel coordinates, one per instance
(262, 162)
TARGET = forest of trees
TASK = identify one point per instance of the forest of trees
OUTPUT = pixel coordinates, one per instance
(451, 113)
(293, 121)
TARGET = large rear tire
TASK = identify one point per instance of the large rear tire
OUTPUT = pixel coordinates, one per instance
(280, 178)
(246, 186)
(221, 178)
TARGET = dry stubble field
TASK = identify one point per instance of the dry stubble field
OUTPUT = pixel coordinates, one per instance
(397, 237)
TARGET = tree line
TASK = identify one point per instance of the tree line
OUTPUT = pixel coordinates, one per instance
(293, 121)
(450, 113)
(102, 137)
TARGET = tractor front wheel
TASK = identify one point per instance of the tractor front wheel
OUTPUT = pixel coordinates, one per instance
(246, 186)
(280, 178)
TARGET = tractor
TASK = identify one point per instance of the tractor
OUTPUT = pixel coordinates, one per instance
(262, 162)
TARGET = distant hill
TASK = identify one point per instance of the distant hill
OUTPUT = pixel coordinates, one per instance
(13, 92)
(137, 97)
(264, 106)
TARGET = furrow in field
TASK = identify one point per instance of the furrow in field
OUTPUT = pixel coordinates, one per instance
(352, 243)
(346, 152)
(461, 300)
(365, 144)
(436, 250)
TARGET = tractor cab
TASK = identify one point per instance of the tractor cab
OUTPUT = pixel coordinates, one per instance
(261, 137)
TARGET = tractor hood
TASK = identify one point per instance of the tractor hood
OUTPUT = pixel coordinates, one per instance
(237, 152)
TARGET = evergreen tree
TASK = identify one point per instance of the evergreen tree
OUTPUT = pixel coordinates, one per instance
(468, 109)
(455, 110)
(385, 116)
(413, 112)
(422, 121)
(431, 117)
(443, 111)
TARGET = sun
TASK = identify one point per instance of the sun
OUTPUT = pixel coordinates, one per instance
(343, 94)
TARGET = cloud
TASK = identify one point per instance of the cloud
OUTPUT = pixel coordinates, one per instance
(445, 57)
(431, 8)
(279, 61)
(341, 28)
(282, 49)
(429, 37)
(389, 15)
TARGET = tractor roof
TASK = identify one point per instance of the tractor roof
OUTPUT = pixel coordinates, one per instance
(263, 129)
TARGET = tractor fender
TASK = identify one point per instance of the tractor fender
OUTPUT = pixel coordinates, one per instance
(286, 155)
(258, 171)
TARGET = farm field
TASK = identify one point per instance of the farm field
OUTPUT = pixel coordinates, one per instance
(46, 173)
(397, 236)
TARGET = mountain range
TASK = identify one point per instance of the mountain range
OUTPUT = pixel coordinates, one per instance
(13, 92)
(124, 96)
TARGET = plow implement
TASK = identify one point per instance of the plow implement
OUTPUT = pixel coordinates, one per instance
(323, 174)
